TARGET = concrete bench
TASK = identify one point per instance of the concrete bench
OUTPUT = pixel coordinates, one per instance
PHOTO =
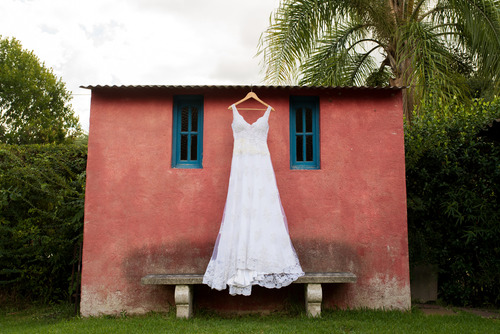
(184, 288)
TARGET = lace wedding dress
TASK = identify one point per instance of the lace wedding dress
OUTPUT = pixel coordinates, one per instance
(253, 246)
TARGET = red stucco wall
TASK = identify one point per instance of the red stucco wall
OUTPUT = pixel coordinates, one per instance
(142, 216)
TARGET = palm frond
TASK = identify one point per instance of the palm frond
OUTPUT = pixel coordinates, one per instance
(295, 25)
(419, 9)
(474, 25)
(295, 28)
(340, 59)
(430, 62)
(361, 67)
(380, 77)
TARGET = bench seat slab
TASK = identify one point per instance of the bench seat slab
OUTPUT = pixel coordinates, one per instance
(174, 279)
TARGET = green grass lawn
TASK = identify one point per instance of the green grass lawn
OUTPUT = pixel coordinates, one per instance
(59, 319)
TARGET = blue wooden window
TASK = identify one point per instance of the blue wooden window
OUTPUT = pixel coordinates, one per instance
(187, 131)
(304, 132)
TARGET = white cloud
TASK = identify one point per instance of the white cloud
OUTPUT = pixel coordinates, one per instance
(140, 41)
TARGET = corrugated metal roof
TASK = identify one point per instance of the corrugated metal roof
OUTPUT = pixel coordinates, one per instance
(249, 87)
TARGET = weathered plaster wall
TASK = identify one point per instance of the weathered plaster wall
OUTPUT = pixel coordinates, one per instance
(142, 216)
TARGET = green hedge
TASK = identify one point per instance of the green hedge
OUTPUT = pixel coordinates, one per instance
(42, 190)
(453, 190)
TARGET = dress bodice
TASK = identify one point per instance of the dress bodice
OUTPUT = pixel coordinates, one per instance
(250, 138)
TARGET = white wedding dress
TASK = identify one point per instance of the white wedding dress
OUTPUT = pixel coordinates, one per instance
(253, 246)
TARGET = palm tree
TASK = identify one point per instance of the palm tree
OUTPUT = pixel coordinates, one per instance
(423, 45)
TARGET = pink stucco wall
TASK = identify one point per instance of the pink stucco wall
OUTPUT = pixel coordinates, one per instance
(142, 216)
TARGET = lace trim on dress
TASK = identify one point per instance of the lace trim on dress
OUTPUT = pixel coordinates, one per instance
(241, 282)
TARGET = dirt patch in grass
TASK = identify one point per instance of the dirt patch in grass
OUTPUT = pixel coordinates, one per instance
(431, 309)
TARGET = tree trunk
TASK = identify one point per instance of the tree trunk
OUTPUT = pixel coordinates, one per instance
(408, 100)
(403, 79)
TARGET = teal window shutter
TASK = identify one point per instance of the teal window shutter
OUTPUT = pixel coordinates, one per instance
(187, 131)
(304, 132)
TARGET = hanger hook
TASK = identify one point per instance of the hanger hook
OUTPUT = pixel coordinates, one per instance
(251, 87)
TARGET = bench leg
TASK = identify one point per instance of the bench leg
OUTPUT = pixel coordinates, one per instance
(314, 296)
(184, 301)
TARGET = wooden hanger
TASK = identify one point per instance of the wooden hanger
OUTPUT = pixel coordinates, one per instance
(254, 96)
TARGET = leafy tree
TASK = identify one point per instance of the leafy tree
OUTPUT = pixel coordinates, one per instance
(34, 104)
(419, 44)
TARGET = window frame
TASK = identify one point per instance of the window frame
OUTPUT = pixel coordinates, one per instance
(179, 102)
(303, 102)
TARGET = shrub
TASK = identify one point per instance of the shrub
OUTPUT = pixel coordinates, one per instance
(453, 189)
(42, 191)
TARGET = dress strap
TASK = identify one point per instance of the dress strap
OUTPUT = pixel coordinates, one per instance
(235, 111)
(268, 111)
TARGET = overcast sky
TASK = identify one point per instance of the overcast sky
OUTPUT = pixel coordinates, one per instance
(140, 42)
